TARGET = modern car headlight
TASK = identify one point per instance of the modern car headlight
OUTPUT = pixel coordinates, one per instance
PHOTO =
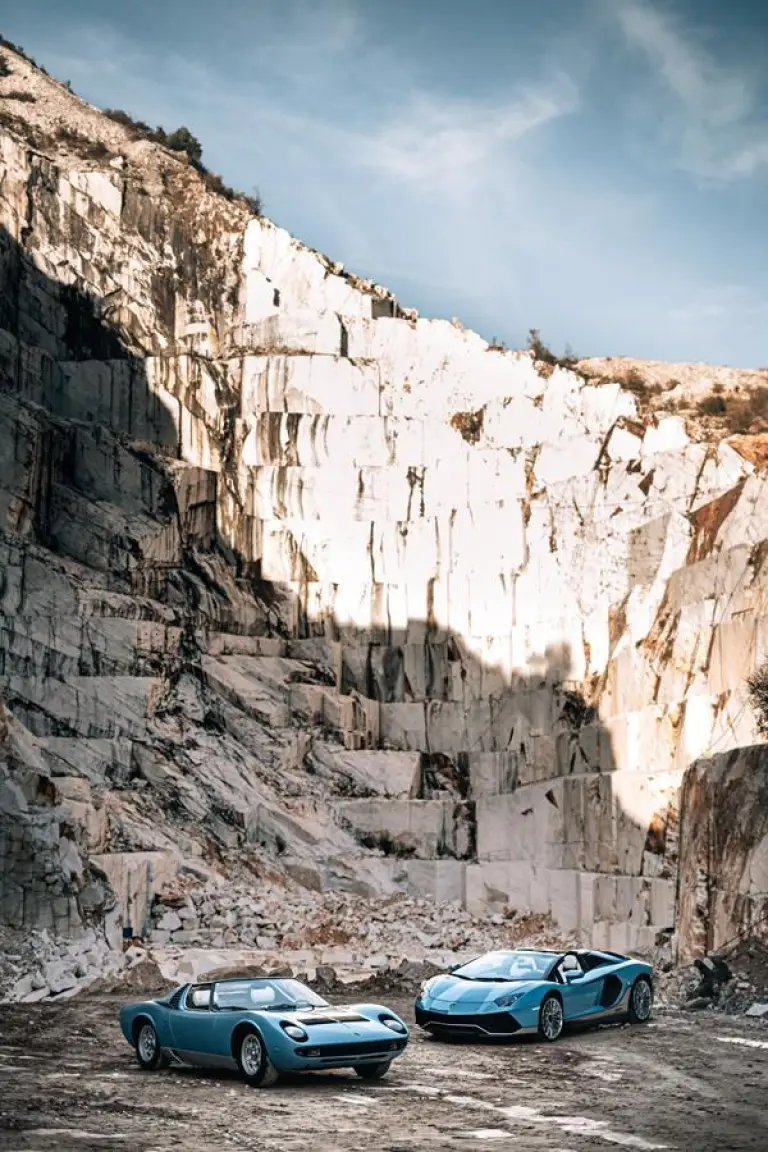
(508, 999)
(425, 987)
(393, 1025)
(294, 1032)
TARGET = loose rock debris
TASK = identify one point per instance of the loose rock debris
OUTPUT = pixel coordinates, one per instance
(734, 981)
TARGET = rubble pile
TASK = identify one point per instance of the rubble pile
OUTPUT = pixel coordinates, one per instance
(733, 981)
(285, 919)
(39, 966)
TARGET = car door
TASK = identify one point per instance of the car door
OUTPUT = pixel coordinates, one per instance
(578, 992)
(191, 1026)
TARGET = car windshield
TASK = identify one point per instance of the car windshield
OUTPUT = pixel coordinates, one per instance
(263, 995)
(507, 966)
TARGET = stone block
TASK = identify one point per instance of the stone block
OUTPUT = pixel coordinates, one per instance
(662, 903)
(441, 880)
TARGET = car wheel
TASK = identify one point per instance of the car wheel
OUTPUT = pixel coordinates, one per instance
(640, 1001)
(148, 1051)
(253, 1061)
(551, 1018)
(373, 1071)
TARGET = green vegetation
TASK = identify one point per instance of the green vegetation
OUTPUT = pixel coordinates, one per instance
(182, 140)
(539, 349)
(757, 690)
(742, 413)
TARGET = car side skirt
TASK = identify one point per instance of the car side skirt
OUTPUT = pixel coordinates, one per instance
(192, 1059)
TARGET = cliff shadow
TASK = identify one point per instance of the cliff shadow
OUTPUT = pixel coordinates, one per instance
(80, 421)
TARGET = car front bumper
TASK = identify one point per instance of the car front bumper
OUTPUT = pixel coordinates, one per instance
(477, 1024)
(345, 1054)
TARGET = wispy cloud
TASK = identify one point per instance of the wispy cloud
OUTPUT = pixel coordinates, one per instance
(443, 143)
(713, 120)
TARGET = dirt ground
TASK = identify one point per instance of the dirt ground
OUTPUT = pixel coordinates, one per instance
(687, 1080)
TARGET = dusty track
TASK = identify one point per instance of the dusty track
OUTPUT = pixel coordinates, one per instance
(69, 1081)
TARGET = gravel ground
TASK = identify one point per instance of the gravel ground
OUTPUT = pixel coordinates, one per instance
(693, 1081)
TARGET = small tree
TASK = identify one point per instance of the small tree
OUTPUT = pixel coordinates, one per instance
(539, 349)
(182, 140)
(757, 688)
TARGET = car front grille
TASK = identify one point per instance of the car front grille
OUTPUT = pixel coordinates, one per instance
(481, 1024)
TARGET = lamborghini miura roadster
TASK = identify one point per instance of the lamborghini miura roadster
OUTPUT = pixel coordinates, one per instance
(517, 992)
(262, 1027)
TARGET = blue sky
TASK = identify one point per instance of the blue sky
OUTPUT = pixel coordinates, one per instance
(597, 169)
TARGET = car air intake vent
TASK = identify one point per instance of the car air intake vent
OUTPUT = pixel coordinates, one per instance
(343, 1051)
(174, 1000)
(308, 1021)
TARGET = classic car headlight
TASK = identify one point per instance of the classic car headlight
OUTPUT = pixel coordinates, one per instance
(294, 1032)
(393, 1025)
(508, 999)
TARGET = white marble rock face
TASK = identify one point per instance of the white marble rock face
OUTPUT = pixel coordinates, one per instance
(283, 574)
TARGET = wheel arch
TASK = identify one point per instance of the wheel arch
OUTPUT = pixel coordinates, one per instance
(138, 1022)
(240, 1030)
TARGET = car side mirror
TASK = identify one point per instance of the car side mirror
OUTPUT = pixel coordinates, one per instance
(454, 967)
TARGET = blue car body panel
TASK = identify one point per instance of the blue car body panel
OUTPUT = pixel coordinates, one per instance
(207, 1037)
(596, 993)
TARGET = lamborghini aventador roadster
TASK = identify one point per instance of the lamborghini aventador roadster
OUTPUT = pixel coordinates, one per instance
(517, 992)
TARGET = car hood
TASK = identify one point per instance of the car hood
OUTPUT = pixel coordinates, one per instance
(457, 992)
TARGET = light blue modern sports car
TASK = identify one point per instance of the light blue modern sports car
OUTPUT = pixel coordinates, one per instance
(262, 1027)
(511, 993)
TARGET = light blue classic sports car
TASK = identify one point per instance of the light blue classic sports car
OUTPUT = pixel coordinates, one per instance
(517, 992)
(262, 1027)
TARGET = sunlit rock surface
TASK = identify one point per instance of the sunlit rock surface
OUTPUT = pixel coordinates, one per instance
(290, 574)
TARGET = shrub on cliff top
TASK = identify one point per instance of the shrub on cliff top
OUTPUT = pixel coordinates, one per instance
(5, 67)
(182, 140)
(757, 689)
(711, 405)
(539, 349)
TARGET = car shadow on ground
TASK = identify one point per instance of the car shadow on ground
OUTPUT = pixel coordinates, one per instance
(516, 1041)
(328, 1080)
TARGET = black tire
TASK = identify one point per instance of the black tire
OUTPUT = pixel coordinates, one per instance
(551, 1018)
(147, 1045)
(253, 1060)
(373, 1071)
(640, 1001)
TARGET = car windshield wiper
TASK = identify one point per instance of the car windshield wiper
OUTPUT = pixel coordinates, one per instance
(288, 1007)
(493, 979)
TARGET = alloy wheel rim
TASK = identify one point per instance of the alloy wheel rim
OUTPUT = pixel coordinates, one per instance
(250, 1055)
(147, 1043)
(552, 1019)
(641, 1000)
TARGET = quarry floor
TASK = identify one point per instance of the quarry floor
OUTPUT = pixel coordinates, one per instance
(686, 1081)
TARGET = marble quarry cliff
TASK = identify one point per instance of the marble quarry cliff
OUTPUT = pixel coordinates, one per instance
(294, 582)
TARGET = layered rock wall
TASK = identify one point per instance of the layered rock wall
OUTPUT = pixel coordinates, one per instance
(290, 572)
(724, 851)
